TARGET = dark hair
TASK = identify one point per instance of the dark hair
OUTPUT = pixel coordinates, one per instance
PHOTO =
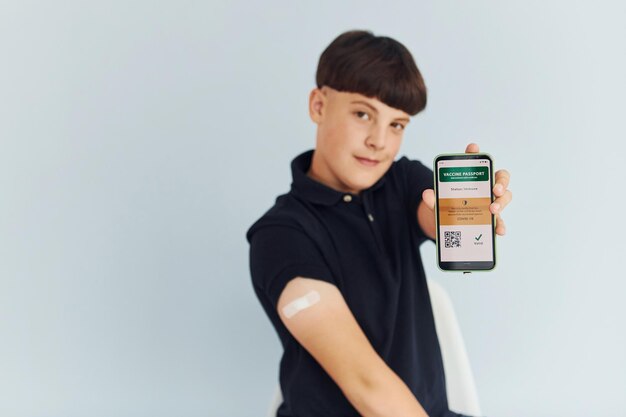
(375, 66)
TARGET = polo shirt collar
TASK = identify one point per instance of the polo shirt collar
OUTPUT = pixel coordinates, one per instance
(314, 191)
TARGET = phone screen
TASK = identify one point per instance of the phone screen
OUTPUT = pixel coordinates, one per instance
(465, 224)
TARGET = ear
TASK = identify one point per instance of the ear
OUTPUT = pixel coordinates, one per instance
(317, 104)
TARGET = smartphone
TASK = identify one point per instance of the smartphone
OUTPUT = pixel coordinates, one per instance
(465, 226)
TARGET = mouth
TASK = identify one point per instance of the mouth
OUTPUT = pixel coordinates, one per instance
(367, 162)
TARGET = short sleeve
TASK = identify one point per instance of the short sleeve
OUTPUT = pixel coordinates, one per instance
(281, 253)
(418, 178)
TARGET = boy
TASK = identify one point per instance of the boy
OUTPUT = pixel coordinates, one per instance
(335, 262)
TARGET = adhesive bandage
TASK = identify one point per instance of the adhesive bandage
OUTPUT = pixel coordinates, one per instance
(306, 301)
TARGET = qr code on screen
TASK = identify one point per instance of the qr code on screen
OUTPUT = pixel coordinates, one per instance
(452, 239)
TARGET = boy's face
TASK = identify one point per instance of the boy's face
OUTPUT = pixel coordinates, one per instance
(357, 138)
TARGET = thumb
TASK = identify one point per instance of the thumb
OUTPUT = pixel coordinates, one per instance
(428, 196)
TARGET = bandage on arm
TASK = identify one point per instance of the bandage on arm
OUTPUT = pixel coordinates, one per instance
(316, 314)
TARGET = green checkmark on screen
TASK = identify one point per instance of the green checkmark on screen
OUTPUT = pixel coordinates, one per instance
(478, 238)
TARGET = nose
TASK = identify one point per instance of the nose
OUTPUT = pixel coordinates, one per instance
(376, 139)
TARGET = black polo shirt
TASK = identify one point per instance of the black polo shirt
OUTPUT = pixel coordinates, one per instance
(368, 246)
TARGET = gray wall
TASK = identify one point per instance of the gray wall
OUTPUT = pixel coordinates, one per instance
(140, 140)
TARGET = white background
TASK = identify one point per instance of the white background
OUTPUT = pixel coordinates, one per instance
(140, 140)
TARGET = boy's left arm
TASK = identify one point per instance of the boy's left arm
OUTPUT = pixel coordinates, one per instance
(426, 208)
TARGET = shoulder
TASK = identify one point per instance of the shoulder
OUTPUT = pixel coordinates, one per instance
(412, 169)
(286, 212)
(405, 163)
(284, 243)
(408, 174)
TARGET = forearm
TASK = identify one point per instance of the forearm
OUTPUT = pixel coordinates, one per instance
(385, 395)
(426, 220)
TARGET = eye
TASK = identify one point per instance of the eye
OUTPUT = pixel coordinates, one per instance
(360, 113)
(399, 126)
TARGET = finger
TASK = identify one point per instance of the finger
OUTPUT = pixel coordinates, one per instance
(428, 196)
(502, 182)
(472, 148)
(500, 227)
(501, 202)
